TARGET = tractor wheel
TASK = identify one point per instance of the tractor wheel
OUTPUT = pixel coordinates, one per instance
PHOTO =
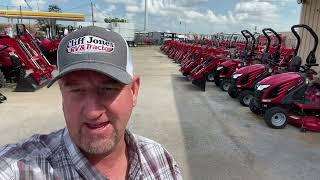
(276, 117)
(254, 107)
(2, 80)
(225, 84)
(210, 77)
(245, 97)
(20, 74)
(233, 91)
(217, 79)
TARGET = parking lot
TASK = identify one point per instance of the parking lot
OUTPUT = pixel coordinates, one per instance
(210, 135)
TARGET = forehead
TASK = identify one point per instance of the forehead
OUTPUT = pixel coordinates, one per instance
(87, 77)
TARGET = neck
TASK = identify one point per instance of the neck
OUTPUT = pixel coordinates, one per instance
(113, 165)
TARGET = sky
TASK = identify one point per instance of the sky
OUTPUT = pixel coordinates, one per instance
(184, 16)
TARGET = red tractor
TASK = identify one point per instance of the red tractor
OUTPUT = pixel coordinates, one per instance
(292, 97)
(22, 61)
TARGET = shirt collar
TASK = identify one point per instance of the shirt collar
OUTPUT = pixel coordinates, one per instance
(80, 162)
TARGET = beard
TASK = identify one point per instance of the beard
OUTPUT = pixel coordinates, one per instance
(98, 144)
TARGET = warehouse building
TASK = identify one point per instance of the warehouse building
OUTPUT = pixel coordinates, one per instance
(310, 15)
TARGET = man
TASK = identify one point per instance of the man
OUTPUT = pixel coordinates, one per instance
(99, 93)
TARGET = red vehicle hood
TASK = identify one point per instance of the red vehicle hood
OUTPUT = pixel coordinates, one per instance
(231, 62)
(249, 69)
(280, 78)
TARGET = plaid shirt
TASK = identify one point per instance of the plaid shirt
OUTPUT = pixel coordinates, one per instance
(55, 156)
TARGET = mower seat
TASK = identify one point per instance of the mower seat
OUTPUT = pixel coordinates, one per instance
(294, 64)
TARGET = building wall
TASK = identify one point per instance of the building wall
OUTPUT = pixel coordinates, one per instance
(310, 15)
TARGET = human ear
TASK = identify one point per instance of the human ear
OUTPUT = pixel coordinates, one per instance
(135, 85)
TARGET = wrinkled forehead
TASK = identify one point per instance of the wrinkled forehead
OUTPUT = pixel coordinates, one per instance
(87, 77)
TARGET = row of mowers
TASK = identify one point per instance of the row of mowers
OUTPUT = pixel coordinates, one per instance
(266, 77)
(22, 60)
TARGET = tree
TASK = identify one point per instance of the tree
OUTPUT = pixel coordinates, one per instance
(111, 20)
(44, 23)
(54, 8)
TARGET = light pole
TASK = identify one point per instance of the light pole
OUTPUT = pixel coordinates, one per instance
(145, 15)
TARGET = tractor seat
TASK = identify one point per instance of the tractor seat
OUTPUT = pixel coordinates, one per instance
(311, 97)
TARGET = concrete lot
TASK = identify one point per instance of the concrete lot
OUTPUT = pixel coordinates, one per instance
(210, 135)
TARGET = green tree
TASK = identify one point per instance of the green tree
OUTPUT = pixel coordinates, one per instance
(54, 8)
(111, 20)
(44, 23)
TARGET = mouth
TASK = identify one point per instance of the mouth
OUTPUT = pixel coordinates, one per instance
(97, 125)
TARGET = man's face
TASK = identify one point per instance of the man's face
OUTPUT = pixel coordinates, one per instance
(97, 109)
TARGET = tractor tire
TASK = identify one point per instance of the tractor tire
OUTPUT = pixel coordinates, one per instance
(254, 108)
(276, 117)
(2, 80)
(225, 84)
(245, 97)
(210, 77)
(217, 79)
(20, 74)
(233, 91)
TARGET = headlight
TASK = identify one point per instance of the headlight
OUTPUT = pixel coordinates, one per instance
(219, 68)
(262, 87)
(308, 81)
(235, 76)
(11, 53)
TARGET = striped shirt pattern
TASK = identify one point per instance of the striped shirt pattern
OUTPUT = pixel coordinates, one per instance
(55, 156)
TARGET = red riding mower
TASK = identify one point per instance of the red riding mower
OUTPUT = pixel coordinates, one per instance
(223, 73)
(243, 80)
(22, 60)
(291, 97)
(203, 72)
(208, 55)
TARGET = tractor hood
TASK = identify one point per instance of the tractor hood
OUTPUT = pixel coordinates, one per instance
(280, 78)
(250, 69)
(231, 62)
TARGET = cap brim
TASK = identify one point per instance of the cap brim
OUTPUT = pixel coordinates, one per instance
(104, 68)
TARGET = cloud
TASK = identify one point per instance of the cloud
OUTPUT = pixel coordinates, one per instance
(35, 5)
(166, 14)
(100, 14)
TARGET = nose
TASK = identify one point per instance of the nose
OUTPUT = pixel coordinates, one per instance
(93, 108)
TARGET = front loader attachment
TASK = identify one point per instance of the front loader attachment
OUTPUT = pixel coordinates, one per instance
(27, 84)
(201, 83)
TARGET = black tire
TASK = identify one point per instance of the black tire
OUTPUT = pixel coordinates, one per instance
(245, 97)
(254, 107)
(185, 74)
(217, 79)
(276, 117)
(210, 77)
(20, 74)
(233, 91)
(2, 98)
(225, 84)
(2, 80)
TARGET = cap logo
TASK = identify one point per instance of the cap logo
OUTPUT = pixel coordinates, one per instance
(89, 44)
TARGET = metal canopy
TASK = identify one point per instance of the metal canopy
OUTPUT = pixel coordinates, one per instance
(42, 15)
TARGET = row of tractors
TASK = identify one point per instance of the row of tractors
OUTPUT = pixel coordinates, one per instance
(265, 76)
(25, 60)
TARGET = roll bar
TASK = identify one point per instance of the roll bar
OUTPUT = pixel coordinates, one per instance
(311, 59)
(264, 31)
(245, 33)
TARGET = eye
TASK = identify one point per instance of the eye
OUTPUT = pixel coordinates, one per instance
(107, 90)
